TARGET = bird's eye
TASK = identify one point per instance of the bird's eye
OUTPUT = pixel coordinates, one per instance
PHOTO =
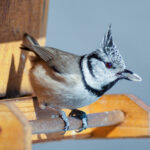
(108, 65)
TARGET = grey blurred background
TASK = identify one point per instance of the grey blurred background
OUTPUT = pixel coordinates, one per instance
(78, 26)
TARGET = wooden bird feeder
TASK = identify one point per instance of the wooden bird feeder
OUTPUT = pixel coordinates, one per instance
(22, 122)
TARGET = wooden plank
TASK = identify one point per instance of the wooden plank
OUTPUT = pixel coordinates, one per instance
(18, 17)
(15, 131)
(136, 124)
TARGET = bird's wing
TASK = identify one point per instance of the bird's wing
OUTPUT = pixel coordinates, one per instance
(59, 60)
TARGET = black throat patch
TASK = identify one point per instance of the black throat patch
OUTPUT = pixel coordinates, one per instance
(96, 92)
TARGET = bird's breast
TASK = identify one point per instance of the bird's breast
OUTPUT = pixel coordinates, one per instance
(61, 91)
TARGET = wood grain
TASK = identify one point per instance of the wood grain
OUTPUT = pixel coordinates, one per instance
(15, 131)
(18, 17)
(135, 125)
(53, 125)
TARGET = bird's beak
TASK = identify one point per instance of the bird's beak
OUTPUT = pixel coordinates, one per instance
(129, 75)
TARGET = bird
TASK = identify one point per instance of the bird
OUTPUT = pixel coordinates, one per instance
(63, 80)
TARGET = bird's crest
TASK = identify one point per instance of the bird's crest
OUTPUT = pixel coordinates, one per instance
(110, 50)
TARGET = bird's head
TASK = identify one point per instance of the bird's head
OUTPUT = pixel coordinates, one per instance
(107, 65)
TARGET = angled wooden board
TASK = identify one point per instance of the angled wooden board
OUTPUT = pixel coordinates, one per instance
(136, 124)
(18, 17)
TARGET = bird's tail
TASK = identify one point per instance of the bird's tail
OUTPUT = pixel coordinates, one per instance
(28, 42)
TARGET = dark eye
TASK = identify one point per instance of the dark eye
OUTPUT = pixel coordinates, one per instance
(108, 65)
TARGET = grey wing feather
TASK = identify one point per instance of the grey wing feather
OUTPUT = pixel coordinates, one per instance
(63, 61)
(43, 52)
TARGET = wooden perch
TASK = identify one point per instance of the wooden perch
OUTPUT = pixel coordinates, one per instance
(106, 119)
(94, 120)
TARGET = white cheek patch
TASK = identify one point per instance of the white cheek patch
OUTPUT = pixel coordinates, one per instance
(105, 75)
(90, 80)
(102, 74)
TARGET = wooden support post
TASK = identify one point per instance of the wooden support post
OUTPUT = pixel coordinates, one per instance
(135, 124)
(15, 131)
(16, 18)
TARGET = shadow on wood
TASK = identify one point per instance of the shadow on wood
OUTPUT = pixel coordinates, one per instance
(104, 131)
(15, 77)
(18, 17)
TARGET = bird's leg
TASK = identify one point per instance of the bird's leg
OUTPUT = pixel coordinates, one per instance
(80, 115)
(62, 115)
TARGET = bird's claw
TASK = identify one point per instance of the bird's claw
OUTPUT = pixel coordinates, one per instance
(76, 114)
(84, 125)
(82, 116)
(66, 128)
(66, 121)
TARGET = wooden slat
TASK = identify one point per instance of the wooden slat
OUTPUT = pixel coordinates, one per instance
(18, 17)
(15, 131)
(136, 123)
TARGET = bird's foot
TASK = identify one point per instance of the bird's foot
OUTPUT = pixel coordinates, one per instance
(62, 115)
(82, 116)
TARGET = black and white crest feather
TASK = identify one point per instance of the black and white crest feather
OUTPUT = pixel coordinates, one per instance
(110, 50)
